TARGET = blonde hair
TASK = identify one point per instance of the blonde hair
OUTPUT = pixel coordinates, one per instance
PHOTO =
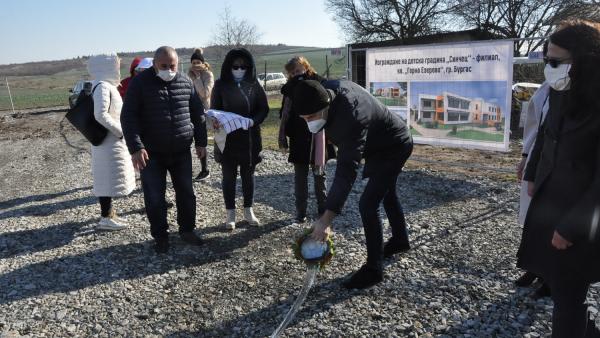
(299, 60)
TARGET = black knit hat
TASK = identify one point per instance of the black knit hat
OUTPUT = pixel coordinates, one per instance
(197, 55)
(309, 97)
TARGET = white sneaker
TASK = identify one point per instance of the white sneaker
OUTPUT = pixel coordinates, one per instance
(249, 216)
(230, 219)
(110, 224)
(113, 215)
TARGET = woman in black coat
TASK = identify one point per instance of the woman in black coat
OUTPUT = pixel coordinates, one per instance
(561, 239)
(238, 91)
(301, 140)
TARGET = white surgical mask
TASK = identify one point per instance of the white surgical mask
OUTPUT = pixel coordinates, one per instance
(166, 74)
(315, 126)
(238, 74)
(558, 78)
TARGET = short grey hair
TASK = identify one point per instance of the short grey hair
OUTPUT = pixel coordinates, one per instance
(165, 51)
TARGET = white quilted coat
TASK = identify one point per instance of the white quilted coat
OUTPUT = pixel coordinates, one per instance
(111, 163)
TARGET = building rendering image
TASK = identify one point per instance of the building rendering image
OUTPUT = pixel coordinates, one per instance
(449, 109)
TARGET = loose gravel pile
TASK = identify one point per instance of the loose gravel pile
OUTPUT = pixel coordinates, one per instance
(61, 277)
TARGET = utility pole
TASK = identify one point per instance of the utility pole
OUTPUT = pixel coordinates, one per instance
(10, 96)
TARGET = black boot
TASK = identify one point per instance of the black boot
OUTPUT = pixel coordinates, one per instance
(541, 292)
(191, 238)
(364, 278)
(161, 246)
(300, 217)
(526, 279)
(203, 175)
(394, 246)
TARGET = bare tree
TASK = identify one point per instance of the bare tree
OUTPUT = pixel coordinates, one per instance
(370, 20)
(584, 10)
(518, 19)
(232, 32)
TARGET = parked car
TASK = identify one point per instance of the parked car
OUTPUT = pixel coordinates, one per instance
(274, 81)
(77, 88)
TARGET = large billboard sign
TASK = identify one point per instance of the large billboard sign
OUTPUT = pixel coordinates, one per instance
(450, 94)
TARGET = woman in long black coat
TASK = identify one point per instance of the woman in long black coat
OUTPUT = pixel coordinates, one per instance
(561, 239)
(238, 91)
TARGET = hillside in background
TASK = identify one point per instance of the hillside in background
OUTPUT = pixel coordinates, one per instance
(47, 83)
(212, 53)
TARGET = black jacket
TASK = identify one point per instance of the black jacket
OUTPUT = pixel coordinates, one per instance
(296, 129)
(565, 168)
(247, 99)
(362, 127)
(162, 116)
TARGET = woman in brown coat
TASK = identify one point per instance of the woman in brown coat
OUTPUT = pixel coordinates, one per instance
(204, 82)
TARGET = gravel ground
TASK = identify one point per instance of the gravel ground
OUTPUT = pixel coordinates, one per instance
(59, 277)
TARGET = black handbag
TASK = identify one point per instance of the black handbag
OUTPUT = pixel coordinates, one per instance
(82, 118)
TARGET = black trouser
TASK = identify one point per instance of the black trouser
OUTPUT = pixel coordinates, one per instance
(381, 187)
(570, 314)
(228, 183)
(154, 184)
(105, 206)
(301, 188)
(203, 164)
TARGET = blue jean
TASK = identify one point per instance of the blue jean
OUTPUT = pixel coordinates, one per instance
(154, 184)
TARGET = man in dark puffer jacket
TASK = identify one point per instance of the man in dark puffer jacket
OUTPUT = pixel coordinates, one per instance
(161, 115)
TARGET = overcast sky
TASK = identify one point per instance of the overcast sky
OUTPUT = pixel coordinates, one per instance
(51, 30)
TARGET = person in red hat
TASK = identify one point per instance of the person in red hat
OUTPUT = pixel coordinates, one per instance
(125, 82)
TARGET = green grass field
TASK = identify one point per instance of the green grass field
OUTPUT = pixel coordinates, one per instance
(270, 127)
(414, 132)
(48, 91)
(388, 101)
(39, 91)
(477, 135)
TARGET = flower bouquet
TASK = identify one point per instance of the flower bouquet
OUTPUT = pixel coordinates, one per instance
(311, 252)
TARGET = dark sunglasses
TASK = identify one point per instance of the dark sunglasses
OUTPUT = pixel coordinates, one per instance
(554, 62)
(239, 67)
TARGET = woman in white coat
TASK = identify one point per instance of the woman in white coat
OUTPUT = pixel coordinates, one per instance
(112, 168)
(536, 113)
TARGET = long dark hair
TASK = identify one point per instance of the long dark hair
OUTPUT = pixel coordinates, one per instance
(583, 42)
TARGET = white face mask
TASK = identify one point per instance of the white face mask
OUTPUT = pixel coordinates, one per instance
(166, 74)
(558, 78)
(238, 74)
(315, 126)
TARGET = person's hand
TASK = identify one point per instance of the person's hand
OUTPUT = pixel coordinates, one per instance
(520, 168)
(201, 152)
(251, 123)
(559, 242)
(321, 230)
(530, 188)
(216, 124)
(140, 159)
